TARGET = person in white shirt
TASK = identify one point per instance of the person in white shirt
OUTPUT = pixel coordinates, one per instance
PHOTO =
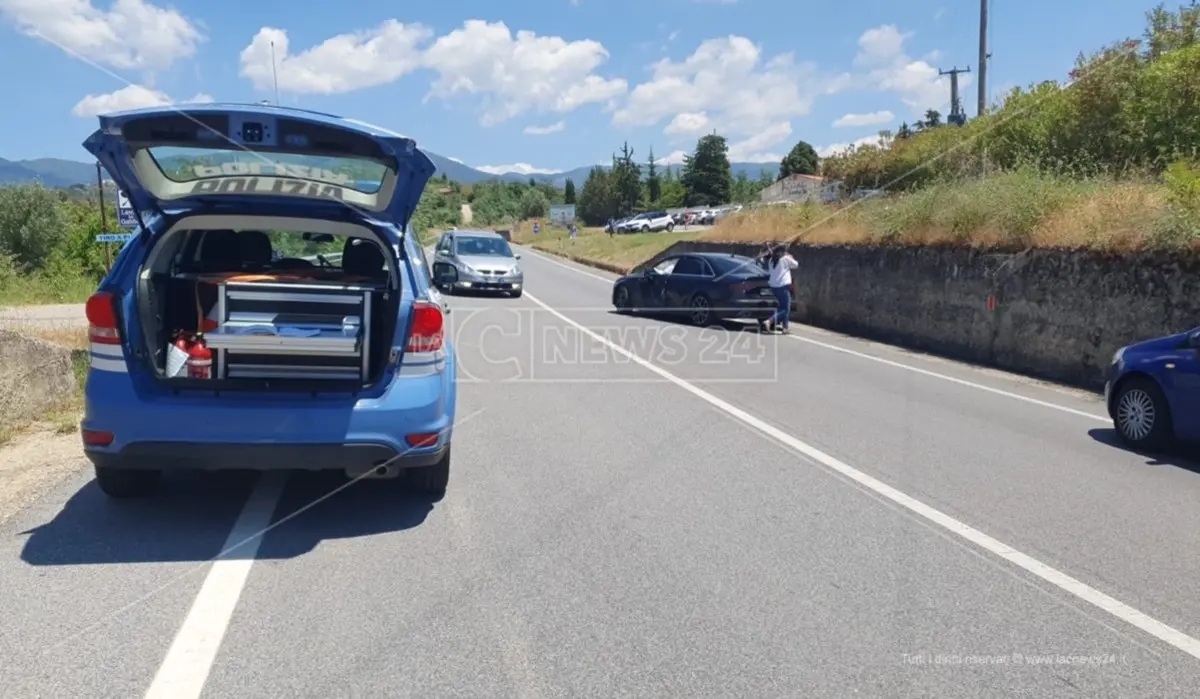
(780, 264)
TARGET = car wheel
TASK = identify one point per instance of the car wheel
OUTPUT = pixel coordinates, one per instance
(645, 229)
(1141, 415)
(700, 310)
(670, 227)
(431, 480)
(621, 299)
(125, 483)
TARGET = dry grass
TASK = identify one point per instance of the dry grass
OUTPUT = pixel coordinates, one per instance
(1014, 211)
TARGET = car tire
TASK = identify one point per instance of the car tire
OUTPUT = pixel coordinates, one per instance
(127, 483)
(1141, 415)
(621, 300)
(670, 227)
(431, 481)
(700, 310)
(645, 229)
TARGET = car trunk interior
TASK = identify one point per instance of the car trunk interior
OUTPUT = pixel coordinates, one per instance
(280, 309)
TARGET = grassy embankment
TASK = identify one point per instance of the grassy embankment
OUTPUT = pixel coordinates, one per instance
(1016, 210)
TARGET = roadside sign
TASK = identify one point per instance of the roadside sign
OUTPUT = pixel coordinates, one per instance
(125, 216)
(114, 237)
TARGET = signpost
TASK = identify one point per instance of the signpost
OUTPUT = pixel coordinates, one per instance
(126, 218)
(114, 237)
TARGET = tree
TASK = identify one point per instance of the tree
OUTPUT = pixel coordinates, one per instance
(569, 192)
(653, 183)
(31, 224)
(532, 182)
(598, 198)
(802, 160)
(627, 181)
(707, 177)
(534, 204)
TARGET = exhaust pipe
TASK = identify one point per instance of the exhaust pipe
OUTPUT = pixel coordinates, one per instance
(380, 471)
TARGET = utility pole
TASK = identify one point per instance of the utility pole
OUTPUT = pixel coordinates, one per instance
(957, 115)
(984, 55)
(275, 73)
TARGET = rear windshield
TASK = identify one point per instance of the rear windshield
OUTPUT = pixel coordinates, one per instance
(181, 164)
(470, 245)
(733, 264)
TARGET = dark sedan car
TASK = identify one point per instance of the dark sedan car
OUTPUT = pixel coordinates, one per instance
(704, 287)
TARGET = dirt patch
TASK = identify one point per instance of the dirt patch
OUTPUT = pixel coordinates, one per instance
(33, 463)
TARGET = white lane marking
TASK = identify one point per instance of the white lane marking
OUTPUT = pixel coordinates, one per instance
(1059, 579)
(899, 365)
(952, 379)
(185, 669)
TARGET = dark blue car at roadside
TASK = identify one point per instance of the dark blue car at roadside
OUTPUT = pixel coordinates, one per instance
(1152, 390)
(703, 287)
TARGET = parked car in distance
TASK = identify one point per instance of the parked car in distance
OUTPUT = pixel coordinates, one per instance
(302, 364)
(477, 261)
(703, 287)
(1152, 390)
(647, 222)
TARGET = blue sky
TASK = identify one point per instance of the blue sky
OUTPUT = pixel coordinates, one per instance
(551, 84)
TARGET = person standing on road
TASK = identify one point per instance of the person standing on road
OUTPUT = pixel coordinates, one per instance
(780, 264)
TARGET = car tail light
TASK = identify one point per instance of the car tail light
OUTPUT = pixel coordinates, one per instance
(102, 319)
(428, 328)
(421, 439)
(93, 438)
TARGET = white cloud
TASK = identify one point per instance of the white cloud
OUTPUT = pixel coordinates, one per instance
(131, 35)
(872, 119)
(755, 148)
(732, 85)
(545, 130)
(131, 97)
(518, 168)
(891, 69)
(519, 74)
(687, 123)
(831, 149)
(342, 63)
(672, 158)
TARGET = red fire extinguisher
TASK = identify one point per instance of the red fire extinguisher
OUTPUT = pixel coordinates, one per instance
(199, 359)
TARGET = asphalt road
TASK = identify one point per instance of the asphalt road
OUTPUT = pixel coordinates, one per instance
(643, 509)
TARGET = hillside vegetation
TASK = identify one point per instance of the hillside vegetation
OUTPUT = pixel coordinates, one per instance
(48, 251)
(1107, 160)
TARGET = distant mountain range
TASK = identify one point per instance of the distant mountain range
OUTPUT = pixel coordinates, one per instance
(55, 172)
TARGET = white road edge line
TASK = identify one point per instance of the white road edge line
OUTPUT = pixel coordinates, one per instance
(952, 379)
(1059, 579)
(185, 669)
(898, 365)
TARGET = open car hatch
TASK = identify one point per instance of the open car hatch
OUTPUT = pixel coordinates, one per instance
(176, 157)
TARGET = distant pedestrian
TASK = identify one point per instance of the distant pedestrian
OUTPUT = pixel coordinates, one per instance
(573, 230)
(780, 264)
(611, 227)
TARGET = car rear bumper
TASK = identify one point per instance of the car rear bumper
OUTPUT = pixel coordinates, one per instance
(757, 308)
(170, 456)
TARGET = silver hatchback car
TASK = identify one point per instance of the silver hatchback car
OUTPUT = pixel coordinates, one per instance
(477, 261)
